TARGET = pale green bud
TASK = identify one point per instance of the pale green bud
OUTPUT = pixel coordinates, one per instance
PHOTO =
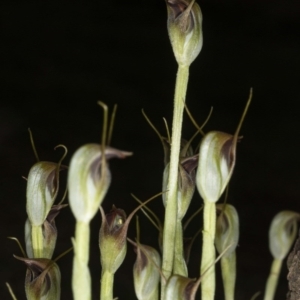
(186, 179)
(185, 191)
(282, 233)
(42, 189)
(88, 182)
(217, 157)
(146, 272)
(112, 239)
(185, 30)
(49, 233)
(227, 229)
(181, 288)
(186, 184)
(42, 281)
(113, 235)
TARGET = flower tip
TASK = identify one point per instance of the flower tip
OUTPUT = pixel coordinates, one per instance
(185, 29)
(112, 239)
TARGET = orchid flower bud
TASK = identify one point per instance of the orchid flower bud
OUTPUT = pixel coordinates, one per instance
(226, 240)
(186, 179)
(112, 243)
(112, 239)
(227, 229)
(42, 279)
(186, 184)
(217, 156)
(146, 272)
(42, 189)
(181, 288)
(88, 182)
(282, 233)
(216, 163)
(49, 233)
(185, 29)
(50, 230)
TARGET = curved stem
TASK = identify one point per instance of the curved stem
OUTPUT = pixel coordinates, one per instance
(273, 279)
(171, 203)
(81, 281)
(11, 292)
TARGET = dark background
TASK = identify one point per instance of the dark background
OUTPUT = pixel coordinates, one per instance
(59, 57)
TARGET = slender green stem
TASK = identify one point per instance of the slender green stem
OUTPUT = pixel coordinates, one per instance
(228, 267)
(107, 284)
(37, 241)
(11, 292)
(273, 279)
(179, 262)
(171, 203)
(208, 283)
(81, 281)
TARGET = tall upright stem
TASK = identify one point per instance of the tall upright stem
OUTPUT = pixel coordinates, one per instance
(208, 251)
(171, 203)
(81, 281)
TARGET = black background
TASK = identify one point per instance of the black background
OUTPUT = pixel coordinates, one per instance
(59, 57)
